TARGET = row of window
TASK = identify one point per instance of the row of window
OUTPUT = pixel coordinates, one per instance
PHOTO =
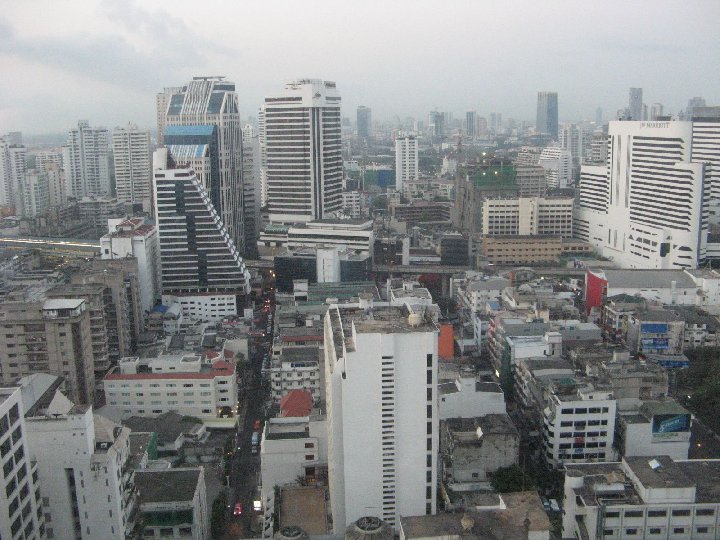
(661, 512)
(632, 531)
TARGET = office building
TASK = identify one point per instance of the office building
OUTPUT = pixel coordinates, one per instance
(598, 149)
(547, 114)
(407, 167)
(188, 384)
(50, 336)
(303, 154)
(649, 207)
(530, 180)
(131, 157)
(656, 111)
(557, 163)
(12, 172)
(471, 124)
(57, 187)
(635, 104)
(136, 238)
(200, 266)
(21, 509)
(527, 216)
(205, 113)
(642, 497)
(82, 463)
(86, 161)
(162, 100)
(364, 122)
(381, 389)
(576, 139)
(252, 178)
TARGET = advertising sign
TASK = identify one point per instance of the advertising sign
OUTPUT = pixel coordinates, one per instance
(654, 343)
(653, 328)
(670, 423)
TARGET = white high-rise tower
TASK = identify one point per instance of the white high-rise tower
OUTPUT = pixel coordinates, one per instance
(86, 161)
(131, 156)
(302, 152)
(406, 159)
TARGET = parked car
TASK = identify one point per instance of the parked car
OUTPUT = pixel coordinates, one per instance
(238, 509)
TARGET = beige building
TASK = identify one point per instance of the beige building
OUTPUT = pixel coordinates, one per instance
(528, 216)
(48, 335)
(526, 250)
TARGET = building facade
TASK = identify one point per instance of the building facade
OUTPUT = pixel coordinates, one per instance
(131, 158)
(86, 161)
(527, 216)
(547, 114)
(406, 160)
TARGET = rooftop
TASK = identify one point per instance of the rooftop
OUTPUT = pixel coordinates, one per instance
(168, 485)
(62, 303)
(668, 475)
(645, 279)
(169, 426)
(304, 507)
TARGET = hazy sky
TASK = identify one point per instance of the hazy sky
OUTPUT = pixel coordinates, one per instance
(104, 60)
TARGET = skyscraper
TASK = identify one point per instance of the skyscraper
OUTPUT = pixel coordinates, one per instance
(303, 153)
(406, 160)
(86, 161)
(12, 171)
(207, 110)
(162, 100)
(35, 192)
(471, 124)
(251, 176)
(131, 157)
(382, 418)
(547, 114)
(656, 111)
(364, 122)
(648, 208)
(635, 103)
(200, 266)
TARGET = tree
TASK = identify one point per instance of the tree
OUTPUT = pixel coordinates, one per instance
(380, 202)
(511, 479)
(218, 516)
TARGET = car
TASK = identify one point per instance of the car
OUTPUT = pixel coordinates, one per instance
(257, 425)
(238, 509)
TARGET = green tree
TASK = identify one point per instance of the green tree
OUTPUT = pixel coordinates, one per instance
(218, 516)
(511, 479)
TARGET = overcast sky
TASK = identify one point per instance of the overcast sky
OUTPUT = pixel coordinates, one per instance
(104, 60)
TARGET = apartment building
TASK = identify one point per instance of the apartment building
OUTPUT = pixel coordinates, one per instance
(527, 216)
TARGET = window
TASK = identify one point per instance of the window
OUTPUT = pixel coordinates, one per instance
(631, 532)
(613, 514)
(657, 513)
(633, 513)
(309, 445)
(678, 530)
(309, 457)
(705, 512)
(681, 512)
(655, 530)
(702, 530)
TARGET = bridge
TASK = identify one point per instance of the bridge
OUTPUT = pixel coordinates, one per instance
(418, 269)
(68, 245)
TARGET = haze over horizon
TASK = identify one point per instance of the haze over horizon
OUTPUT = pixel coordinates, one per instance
(104, 60)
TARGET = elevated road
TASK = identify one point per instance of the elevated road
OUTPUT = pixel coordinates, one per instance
(83, 247)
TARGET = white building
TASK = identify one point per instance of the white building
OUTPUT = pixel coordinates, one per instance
(252, 182)
(642, 498)
(35, 192)
(162, 100)
(658, 428)
(407, 168)
(557, 163)
(302, 151)
(133, 169)
(12, 171)
(466, 397)
(135, 238)
(200, 266)
(649, 207)
(528, 216)
(350, 234)
(352, 203)
(296, 368)
(381, 379)
(21, 513)
(86, 161)
(188, 385)
(82, 459)
(576, 140)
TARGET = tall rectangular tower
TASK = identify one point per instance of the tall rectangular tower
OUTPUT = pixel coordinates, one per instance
(381, 380)
(471, 124)
(131, 157)
(86, 161)
(547, 114)
(364, 122)
(635, 103)
(303, 151)
(211, 102)
(406, 160)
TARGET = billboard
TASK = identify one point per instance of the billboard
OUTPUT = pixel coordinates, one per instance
(653, 328)
(670, 423)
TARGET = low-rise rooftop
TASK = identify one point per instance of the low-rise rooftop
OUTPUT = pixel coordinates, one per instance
(168, 485)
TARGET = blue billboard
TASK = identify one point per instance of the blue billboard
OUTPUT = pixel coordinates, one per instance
(653, 328)
(656, 344)
(671, 423)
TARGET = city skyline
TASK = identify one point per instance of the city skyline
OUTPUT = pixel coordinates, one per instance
(107, 61)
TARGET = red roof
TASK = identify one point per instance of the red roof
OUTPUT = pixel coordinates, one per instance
(212, 354)
(296, 403)
(228, 354)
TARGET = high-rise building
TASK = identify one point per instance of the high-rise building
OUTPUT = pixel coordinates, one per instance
(557, 163)
(574, 139)
(21, 510)
(131, 156)
(86, 161)
(527, 216)
(302, 140)
(406, 160)
(162, 100)
(35, 192)
(656, 111)
(547, 114)
(382, 417)
(692, 103)
(12, 172)
(82, 465)
(252, 177)
(471, 124)
(45, 158)
(136, 238)
(482, 127)
(364, 122)
(635, 103)
(648, 208)
(205, 111)
(199, 264)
